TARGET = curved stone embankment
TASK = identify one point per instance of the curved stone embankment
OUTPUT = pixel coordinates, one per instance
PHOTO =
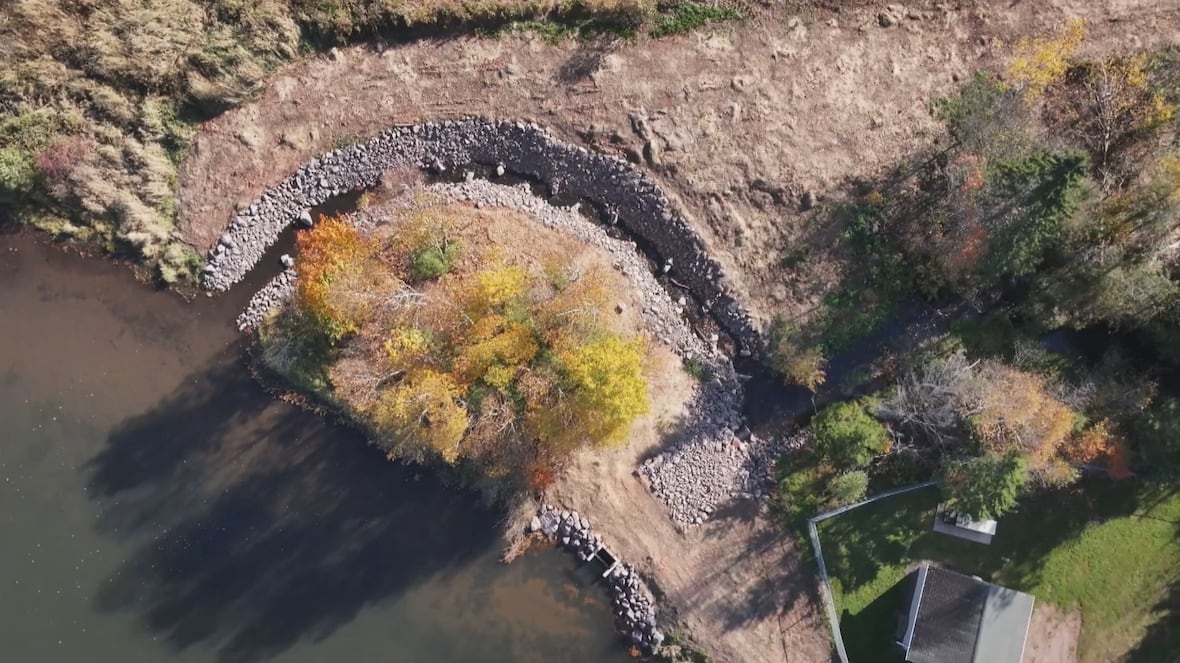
(707, 465)
(620, 190)
(634, 607)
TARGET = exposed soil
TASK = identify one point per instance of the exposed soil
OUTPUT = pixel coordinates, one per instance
(734, 584)
(1052, 635)
(737, 122)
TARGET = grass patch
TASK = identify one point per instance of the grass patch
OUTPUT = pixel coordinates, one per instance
(689, 16)
(1107, 549)
(698, 369)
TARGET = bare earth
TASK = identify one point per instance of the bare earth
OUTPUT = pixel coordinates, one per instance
(741, 120)
(1052, 635)
(734, 584)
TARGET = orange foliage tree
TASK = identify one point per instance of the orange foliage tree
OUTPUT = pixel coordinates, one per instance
(335, 276)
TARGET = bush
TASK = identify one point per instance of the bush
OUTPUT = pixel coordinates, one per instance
(17, 174)
(847, 488)
(798, 363)
(848, 436)
(985, 487)
(431, 262)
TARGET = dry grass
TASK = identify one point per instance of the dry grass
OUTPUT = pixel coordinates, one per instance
(98, 99)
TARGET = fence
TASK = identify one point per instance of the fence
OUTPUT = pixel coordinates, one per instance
(825, 587)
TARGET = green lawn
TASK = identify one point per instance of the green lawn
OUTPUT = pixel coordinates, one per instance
(1111, 550)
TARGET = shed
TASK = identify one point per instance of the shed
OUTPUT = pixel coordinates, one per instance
(979, 531)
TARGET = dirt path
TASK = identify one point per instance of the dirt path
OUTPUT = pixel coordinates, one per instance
(740, 121)
(1052, 635)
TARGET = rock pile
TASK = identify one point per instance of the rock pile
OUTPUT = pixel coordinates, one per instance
(612, 184)
(634, 607)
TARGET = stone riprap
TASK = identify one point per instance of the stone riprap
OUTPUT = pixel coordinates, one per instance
(271, 296)
(634, 607)
(620, 190)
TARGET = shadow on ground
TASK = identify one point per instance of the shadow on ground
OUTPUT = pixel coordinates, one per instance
(258, 525)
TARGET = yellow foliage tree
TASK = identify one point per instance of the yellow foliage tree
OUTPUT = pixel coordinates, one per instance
(1108, 101)
(607, 379)
(495, 349)
(424, 409)
(499, 285)
(1042, 61)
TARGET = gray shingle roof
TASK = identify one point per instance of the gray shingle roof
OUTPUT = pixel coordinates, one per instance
(964, 620)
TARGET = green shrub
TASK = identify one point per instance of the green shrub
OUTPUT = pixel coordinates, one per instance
(848, 436)
(848, 488)
(698, 369)
(17, 174)
(798, 362)
(432, 261)
(984, 487)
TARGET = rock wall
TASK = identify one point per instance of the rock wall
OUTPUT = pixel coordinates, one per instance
(620, 190)
(634, 607)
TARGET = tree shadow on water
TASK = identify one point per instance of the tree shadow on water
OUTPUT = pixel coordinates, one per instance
(255, 525)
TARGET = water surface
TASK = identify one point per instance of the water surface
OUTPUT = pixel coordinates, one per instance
(157, 505)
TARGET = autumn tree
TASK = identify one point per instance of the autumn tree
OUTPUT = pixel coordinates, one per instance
(985, 487)
(337, 276)
(424, 409)
(1013, 411)
(798, 362)
(448, 348)
(1039, 62)
(1100, 444)
(1106, 104)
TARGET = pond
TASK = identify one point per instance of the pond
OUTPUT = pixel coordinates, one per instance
(158, 505)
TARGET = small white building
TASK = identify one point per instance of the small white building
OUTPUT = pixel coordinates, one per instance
(979, 531)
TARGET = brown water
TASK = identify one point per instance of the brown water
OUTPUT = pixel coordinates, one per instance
(156, 505)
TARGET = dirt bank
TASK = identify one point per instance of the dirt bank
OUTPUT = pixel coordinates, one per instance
(737, 122)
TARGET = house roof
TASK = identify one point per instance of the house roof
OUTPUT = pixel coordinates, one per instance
(959, 619)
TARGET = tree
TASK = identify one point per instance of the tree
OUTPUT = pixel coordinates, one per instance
(846, 435)
(606, 375)
(985, 487)
(336, 276)
(1013, 411)
(930, 400)
(1106, 104)
(1156, 438)
(1040, 62)
(798, 363)
(424, 410)
(1100, 444)
(848, 488)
